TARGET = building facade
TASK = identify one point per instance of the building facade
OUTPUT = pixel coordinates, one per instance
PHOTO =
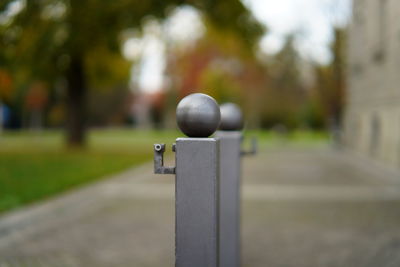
(372, 118)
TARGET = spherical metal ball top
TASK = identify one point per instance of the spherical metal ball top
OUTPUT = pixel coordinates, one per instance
(198, 115)
(231, 117)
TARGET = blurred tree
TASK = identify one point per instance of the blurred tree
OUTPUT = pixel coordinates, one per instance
(6, 87)
(222, 64)
(222, 86)
(330, 85)
(312, 114)
(286, 94)
(53, 38)
(109, 95)
(35, 101)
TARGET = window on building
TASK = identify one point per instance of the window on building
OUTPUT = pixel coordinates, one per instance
(398, 145)
(358, 9)
(357, 37)
(375, 135)
(357, 68)
(356, 130)
(379, 53)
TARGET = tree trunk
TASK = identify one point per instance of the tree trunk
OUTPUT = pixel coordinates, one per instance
(76, 103)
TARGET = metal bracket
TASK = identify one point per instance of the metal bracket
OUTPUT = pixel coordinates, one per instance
(253, 149)
(159, 168)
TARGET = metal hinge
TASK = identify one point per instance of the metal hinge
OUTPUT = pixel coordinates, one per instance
(253, 149)
(159, 168)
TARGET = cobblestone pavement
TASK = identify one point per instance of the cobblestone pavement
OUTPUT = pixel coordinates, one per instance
(301, 207)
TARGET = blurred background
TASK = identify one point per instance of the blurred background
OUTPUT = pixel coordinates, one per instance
(90, 76)
(86, 87)
(78, 65)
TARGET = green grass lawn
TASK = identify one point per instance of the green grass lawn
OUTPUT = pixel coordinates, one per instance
(37, 165)
(34, 166)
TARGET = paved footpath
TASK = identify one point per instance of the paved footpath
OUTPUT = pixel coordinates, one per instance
(302, 207)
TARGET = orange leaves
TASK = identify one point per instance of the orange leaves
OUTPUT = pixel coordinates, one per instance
(37, 96)
(6, 85)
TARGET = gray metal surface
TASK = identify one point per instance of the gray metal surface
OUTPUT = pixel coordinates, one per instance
(197, 183)
(231, 117)
(198, 115)
(230, 171)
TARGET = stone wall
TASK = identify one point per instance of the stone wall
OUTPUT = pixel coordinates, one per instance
(372, 121)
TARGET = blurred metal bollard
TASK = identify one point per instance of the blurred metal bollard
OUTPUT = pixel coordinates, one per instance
(197, 182)
(230, 137)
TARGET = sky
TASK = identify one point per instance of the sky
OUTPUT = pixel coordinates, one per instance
(182, 28)
(310, 20)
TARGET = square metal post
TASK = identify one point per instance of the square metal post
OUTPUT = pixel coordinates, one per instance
(197, 189)
(229, 203)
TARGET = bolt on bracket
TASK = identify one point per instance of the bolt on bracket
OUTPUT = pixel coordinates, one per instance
(159, 167)
(253, 149)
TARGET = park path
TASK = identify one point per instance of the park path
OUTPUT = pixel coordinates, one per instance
(301, 207)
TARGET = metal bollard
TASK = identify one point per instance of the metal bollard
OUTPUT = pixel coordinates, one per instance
(197, 182)
(230, 137)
